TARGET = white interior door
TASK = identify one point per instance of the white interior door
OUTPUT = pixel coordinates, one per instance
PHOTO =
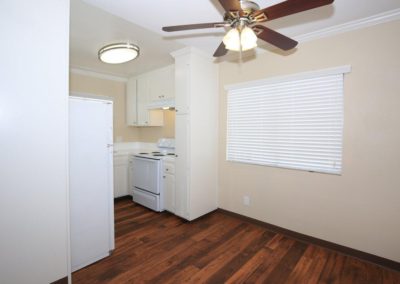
(90, 181)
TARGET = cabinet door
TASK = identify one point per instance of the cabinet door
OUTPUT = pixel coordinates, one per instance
(182, 173)
(162, 83)
(169, 192)
(120, 180)
(131, 102)
(169, 79)
(130, 177)
(182, 85)
(142, 100)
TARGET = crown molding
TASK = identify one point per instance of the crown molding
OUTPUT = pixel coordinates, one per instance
(352, 25)
(95, 74)
(191, 50)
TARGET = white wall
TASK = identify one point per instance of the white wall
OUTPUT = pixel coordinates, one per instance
(360, 208)
(33, 144)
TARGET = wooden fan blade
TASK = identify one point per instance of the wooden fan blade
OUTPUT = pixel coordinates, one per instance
(221, 50)
(289, 7)
(274, 38)
(230, 5)
(194, 26)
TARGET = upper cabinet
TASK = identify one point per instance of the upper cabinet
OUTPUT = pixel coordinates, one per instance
(161, 83)
(145, 90)
(131, 102)
(142, 101)
(182, 84)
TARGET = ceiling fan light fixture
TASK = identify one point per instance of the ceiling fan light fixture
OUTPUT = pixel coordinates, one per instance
(232, 40)
(118, 53)
(246, 39)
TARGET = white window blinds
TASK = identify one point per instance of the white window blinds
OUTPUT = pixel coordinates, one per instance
(291, 122)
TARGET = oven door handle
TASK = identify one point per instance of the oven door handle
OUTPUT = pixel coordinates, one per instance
(146, 159)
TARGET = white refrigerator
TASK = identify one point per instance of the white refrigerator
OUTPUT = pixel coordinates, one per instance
(90, 180)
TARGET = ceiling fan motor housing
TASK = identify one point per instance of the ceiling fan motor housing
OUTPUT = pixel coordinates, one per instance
(249, 7)
(236, 18)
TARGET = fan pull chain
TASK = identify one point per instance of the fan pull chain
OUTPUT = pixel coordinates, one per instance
(240, 48)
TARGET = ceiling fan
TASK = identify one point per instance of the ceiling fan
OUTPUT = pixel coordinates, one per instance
(243, 17)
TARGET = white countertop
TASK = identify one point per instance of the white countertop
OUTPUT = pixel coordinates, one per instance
(122, 151)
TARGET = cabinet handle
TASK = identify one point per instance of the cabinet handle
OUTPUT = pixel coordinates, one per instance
(166, 170)
(163, 176)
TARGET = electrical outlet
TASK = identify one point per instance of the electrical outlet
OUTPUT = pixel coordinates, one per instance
(246, 200)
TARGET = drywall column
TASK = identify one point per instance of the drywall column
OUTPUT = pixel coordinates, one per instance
(33, 143)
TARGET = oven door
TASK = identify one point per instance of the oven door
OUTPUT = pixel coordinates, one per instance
(146, 174)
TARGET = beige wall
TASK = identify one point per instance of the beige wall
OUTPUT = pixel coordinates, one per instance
(116, 90)
(151, 134)
(360, 208)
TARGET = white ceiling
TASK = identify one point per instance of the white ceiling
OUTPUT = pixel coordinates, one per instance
(91, 28)
(153, 15)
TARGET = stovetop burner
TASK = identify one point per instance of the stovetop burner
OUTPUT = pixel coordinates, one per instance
(171, 154)
(143, 153)
(158, 154)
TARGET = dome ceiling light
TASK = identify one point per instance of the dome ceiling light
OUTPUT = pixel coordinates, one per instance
(118, 53)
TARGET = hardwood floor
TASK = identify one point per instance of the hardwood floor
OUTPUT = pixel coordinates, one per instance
(161, 248)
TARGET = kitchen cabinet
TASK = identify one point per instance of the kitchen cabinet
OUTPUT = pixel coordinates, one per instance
(196, 133)
(131, 102)
(161, 84)
(130, 176)
(121, 186)
(142, 100)
(137, 101)
(182, 165)
(169, 186)
(182, 85)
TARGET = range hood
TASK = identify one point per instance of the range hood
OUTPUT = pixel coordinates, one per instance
(162, 104)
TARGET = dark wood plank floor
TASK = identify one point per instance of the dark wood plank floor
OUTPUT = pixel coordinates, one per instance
(161, 248)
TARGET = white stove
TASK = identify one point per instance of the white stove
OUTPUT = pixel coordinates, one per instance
(155, 155)
(165, 148)
(147, 184)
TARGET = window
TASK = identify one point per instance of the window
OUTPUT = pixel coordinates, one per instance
(291, 122)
